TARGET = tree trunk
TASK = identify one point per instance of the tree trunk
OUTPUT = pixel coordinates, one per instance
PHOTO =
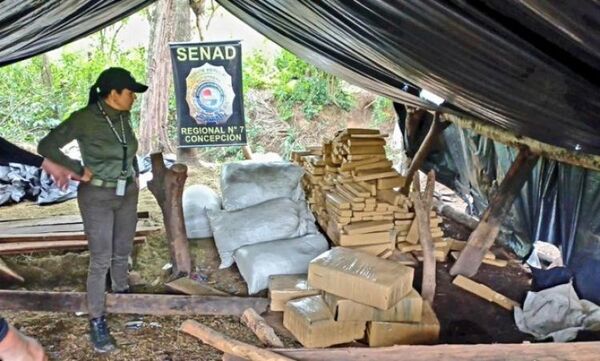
(155, 104)
(183, 32)
(500, 203)
(198, 7)
(167, 187)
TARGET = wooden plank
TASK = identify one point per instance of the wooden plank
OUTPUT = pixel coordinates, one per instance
(337, 200)
(364, 239)
(63, 236)
(64, 219)
(368, 227)
(572, 351)
(131, 303)
(373, 176)
(31, 247)
(189, 286)
(45, 246)
(484, 292)
(390, 183)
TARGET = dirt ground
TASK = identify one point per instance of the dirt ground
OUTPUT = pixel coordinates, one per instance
(464, 317)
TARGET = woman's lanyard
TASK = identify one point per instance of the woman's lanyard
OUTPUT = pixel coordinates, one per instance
(122, 139)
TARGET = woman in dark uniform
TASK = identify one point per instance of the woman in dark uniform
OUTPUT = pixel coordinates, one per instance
(108, 195)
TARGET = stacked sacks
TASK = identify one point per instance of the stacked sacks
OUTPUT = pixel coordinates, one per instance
(197, 199)
(264, 202)
(361, 292)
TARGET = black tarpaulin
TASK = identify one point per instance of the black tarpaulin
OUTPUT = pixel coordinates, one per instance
(531, 69)
(31, 27)
(559, 203)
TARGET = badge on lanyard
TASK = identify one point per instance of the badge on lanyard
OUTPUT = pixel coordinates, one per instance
(122, 180)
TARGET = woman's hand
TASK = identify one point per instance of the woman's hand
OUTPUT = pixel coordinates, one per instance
(60, 174)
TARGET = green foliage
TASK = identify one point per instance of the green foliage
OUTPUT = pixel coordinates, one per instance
(258, 72)
(383, 112)
(299, 83)
(37, 94)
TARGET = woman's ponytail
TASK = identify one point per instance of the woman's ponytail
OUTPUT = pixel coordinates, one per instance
(94, 96)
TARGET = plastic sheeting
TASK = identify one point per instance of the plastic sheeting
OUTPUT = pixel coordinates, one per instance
(528, 67)
(559, 203)
(19, 182)
(31, 27)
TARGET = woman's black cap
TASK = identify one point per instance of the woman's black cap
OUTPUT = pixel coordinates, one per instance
(119, 79)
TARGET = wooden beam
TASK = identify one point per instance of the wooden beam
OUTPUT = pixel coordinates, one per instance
(45, 246)
(485, 292)
(580, 351)
(167, 187)
(516, 140)
(229, 345)
(483, 237)
(63, 236)
(437, 127)
(188, 286)
(145, 304)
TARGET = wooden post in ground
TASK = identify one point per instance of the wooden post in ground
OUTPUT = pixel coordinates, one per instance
(247, 152)
(422, 203)
(167, 187)
(437, 127)
(229, 345)
(500, 203)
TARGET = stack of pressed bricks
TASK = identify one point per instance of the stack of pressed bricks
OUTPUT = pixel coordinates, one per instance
(350, 186)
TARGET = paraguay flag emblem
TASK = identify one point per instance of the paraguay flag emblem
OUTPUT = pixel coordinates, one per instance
(210, 95)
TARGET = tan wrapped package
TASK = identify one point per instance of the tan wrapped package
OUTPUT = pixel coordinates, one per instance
(425, 332)
(311, 322)
(360, 277)
(409, 309)
(283, 288)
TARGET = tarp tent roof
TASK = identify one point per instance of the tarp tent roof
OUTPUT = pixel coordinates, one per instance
(31, 27)
(528, 66)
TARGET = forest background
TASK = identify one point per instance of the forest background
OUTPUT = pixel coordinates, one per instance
(289, 104)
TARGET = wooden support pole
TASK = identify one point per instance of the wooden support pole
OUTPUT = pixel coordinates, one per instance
(167, 187)
(482, 238)
(580, 351)
(437, 127)
(131, 303)
(229, 345)
(422, 203)
(247, 152)
(261, 329)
